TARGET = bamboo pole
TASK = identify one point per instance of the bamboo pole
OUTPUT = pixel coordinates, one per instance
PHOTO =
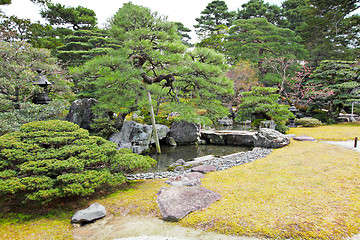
(158, 149)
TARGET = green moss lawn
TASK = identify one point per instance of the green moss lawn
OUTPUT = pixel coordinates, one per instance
(308, 190)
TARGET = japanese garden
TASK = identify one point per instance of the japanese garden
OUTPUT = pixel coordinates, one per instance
(134, 130)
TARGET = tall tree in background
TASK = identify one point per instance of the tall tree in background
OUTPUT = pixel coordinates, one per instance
(341, 78)
(184, 33)
(7, 2)
(293, 13)
(330, 31)
(256, 39)
(77, 18)
(216, 13)
(84, 45)
(259, 9)
(154, 59)
(213, 25)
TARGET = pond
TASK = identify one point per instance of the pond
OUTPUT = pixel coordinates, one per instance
(169, 154)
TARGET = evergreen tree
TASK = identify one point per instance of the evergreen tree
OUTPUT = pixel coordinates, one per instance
(153, 59)
(213, 25)
(293, 12)
(330, 31)
(256, 39)
(83, 45)
(183, 32)
(77, 18)
(341, 79)
(259, 9)
(262, 103)
(215, 14)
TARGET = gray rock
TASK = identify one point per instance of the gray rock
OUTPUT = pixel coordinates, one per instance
(81, 113)
(290, 135)
(95, 211)
(305, 138)
(270, 138)
(180, 181)
(185, 132)
(180, 162)
(231, 137)
(176, 202)
(137, 137)
(170, 141)
(268, 124)
(203, 169)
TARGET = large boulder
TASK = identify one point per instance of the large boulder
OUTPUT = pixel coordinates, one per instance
(270, 138)
(137, 137)
(81, 113)
(231, 137)
(185, 132)
(94, 212)
(176, 202)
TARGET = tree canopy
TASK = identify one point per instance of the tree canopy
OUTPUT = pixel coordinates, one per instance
(154, 59)
(256, 38)
(79, 17)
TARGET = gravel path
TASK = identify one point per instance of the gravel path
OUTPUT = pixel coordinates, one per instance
(346, 144)
(221, 163)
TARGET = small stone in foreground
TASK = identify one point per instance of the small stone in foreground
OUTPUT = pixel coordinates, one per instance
(95, 211)
(175, 203)
(305, 138)
(203, 169)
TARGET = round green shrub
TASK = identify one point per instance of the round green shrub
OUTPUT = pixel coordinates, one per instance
(53, 159)
(308, 122)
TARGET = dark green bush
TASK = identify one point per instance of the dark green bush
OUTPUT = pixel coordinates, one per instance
(308, 122)
(103, 127)
(281, 128)
(47, 160)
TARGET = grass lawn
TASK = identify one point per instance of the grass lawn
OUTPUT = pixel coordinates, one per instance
(308, 190)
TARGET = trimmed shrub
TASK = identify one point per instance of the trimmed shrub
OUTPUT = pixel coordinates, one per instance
(281, 128)
(308, 122)
(53, 159)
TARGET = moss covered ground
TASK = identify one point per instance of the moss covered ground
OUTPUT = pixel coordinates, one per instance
(307, 190)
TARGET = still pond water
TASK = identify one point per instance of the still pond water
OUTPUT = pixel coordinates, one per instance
(170, 154)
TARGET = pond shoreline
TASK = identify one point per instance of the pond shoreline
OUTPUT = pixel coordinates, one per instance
(221, 163)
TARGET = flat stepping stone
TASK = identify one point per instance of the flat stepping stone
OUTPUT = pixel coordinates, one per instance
(177, 202)
(94, 212)
(203, 169)
(305, 138)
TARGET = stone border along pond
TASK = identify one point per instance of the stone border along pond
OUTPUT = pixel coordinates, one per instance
(221, 163)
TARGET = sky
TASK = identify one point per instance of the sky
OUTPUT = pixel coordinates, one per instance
(184, 11)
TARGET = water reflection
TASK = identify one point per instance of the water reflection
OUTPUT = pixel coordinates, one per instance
(170, 154)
